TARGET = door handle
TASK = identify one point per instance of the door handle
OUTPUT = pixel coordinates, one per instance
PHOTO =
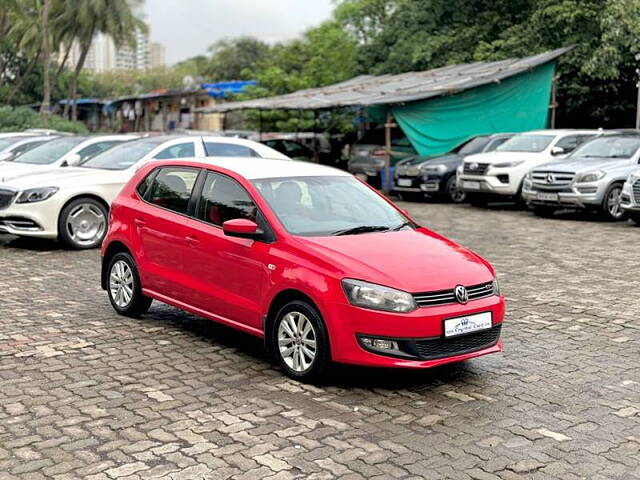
(138, 221)
(192, 241)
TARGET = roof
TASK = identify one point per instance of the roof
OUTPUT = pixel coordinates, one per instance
(366, 90)
(253, 168)
(560, 131)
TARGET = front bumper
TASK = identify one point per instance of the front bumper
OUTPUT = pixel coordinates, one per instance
(30, 220)
(585, 195)
(419, 333)
(499, 184)
(424, 183)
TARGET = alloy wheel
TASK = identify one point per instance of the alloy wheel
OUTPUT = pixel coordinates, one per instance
(613, 203)
(86, 224)
(455, 194)
(297, 341)
(121, 283)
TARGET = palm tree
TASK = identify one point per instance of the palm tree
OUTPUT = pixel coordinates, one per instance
(111, 17)
(46, 61)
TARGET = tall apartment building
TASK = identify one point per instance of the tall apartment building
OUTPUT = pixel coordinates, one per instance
(104, 56)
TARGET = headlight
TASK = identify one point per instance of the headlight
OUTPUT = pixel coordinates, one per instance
(508, 164)
(36, 194)
(496, 286)
(433, 168)
(460, 169)
(377, 297)
(593, 176)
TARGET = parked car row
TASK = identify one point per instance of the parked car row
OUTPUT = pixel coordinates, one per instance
(63, 188)
(544, 170)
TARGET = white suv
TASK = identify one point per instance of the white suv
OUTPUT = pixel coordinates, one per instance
(501, 173)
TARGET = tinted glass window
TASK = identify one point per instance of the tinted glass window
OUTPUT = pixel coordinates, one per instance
(144, 185)
(475, 145)
(224, 199)
(26, 146)
(181, 150)
(526, 143)
(567, 143)
(496, 143)
(327, 205)
(172, 188)
(609, 147)
(50, 152)
(7, 142)
(92, 150)
(122, 156)
(217, 149)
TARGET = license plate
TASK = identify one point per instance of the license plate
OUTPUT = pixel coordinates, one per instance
(471, 185)
(470, 323)
(430, 187)
(404, 182)
(550, 197)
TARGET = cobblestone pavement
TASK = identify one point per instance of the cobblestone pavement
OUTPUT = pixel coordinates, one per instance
(87, 394)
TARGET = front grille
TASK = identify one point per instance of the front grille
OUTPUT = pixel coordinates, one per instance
(433, 348)
(473, 168)
(443, 297)
(408, 171)
(550, 180)
(636, 191)
(6, 197)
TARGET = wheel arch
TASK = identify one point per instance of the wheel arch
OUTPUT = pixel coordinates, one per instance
(112, 249)
(277, 302)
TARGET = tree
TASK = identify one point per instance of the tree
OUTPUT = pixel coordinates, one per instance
(229, 58)
(110, 17)
(46, 60)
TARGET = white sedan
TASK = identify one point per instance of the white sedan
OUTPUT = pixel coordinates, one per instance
(71, 204)
(60, 152)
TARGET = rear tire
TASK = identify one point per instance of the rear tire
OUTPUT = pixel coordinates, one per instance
(300, 341)
(83, 223)
(124, 287)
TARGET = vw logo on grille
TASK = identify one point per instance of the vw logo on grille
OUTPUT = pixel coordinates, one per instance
(462, 296)
(473, 166)
(551, 178)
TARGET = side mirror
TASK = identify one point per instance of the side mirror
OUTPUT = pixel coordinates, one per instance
(241, 227)
(72, 160)
(557, 151)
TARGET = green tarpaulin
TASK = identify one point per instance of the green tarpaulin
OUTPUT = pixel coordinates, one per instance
(516, 104)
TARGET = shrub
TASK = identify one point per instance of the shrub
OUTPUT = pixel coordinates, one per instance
(22, 118)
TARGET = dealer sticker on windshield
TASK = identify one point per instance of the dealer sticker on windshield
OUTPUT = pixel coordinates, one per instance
(470, 323)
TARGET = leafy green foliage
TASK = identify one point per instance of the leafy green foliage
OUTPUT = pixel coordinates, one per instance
(22, 118)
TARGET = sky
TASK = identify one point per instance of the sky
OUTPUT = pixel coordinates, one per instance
(187, 27)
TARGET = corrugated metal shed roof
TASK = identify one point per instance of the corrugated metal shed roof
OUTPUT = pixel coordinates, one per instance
(368, 90)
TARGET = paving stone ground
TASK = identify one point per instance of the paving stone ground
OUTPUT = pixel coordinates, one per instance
(86, 394)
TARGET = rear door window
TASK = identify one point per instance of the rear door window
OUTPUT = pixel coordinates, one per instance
(172, 187)
(180, 150)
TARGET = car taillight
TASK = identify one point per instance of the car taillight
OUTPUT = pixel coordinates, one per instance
(379, 153)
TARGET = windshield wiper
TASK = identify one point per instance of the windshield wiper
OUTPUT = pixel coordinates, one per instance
(402, 225)
(361, 229)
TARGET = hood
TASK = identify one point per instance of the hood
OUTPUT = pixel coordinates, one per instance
(9, 170)
(410, 260)
(585, 164)
(499, 157)
(69, 176)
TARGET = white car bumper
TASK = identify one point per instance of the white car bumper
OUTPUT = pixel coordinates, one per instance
(496, 184)
(31, 219)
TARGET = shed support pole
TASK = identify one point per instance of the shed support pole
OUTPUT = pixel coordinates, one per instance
(638, 107)
(554, 103)
(386, 187)
(316, 155)
(259, 125)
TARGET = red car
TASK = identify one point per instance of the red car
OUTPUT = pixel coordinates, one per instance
(305, 256)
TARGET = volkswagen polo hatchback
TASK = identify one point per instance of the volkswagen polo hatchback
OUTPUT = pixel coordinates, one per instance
(307, 257)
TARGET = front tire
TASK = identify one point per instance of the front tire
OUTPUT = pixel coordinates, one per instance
(635, 217)
(611, 209)
(83, 224)
(300, 342)
(124, 287)
(453, 194)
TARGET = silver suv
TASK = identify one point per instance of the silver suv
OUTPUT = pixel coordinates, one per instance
(590, 178)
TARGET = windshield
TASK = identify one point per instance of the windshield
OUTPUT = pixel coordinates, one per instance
(609, 147)
(475, 145)
(49, 152)
(7, 142)
(526, 143)
(318, 206)
(122, 156)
